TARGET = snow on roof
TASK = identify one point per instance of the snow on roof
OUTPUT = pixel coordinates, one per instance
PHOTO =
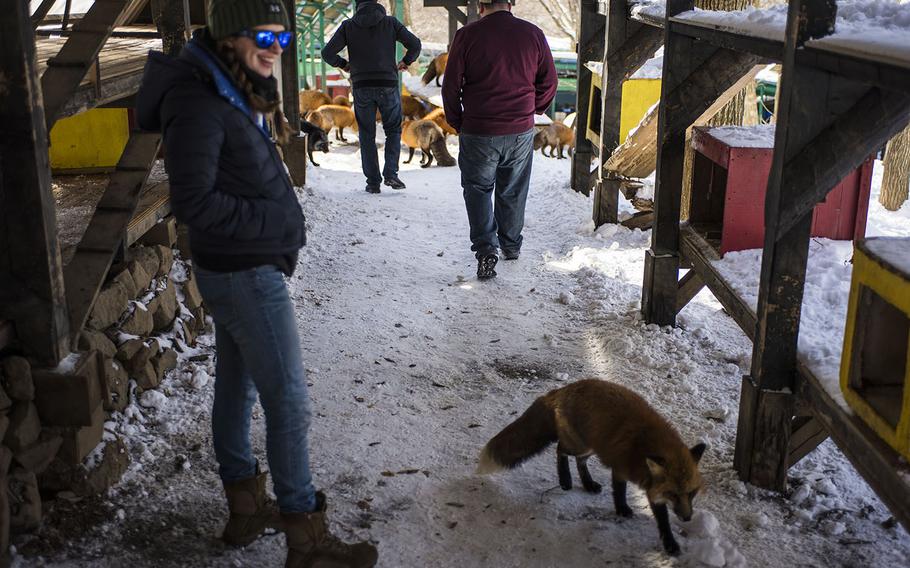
(873, 28)
(653, 68)
(893, 250)
(760, 136)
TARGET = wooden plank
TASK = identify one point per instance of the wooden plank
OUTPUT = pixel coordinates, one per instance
(697, 252)
(882, 468)
(133, 9)
(41, 12)
(169, 17)
(30, 263)
(67, 69)
(767, 49)
(873, 69)
(107, 230)
(154, 205)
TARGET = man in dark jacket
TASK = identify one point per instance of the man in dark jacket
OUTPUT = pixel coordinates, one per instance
(499, 74)
(370, 37)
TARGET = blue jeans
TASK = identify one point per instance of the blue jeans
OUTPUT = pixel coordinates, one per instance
(501, 164)
(258, 350)
(388, 101)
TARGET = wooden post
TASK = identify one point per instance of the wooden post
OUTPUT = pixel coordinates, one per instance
(627, 46)
(169, 17)
(767, 406)
(31, 269)
(590, 47)
(290, 76)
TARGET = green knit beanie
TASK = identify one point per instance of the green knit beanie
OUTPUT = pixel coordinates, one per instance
(227, 17)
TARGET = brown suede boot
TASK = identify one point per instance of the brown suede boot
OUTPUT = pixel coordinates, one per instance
(251, 512)
(311, 545)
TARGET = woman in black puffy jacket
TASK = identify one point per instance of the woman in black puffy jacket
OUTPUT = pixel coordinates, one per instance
(229, 185)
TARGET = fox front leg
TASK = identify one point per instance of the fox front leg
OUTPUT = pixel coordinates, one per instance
(562, 469)
(663, 527)
(619, 498)
(410, 155)
(587, 482)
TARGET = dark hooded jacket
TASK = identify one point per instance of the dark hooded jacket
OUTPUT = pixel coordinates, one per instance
(370, 37)
(228, 183)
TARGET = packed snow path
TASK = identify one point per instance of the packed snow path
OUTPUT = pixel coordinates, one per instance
(414, 365)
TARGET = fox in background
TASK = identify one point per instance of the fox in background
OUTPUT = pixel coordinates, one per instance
(595, 417)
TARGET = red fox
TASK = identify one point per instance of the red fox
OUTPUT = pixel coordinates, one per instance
(424, 134)
(312, 99)
(328, 117)
(553, 136)
(439, 117)
(436, 68)
(595, 417)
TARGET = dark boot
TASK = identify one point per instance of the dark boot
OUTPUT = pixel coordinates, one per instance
(486, 263)
(394, 183)
(251, 512)
(311, 544)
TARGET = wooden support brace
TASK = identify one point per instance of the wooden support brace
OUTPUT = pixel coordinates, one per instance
(838, 150)
(689, 285)
(41, 12)
(107, 229)
(66, 70)
(590, 47)
(807, 433)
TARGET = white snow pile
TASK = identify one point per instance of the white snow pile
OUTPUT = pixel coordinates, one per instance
(873, 27)
(707, 544)
(653, 68)
(760, 136)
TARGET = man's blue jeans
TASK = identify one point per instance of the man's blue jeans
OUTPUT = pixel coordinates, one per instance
(258, 349)
(388, 101)
(501, 164)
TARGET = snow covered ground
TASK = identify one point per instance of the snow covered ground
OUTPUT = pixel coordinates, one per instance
(414, 365)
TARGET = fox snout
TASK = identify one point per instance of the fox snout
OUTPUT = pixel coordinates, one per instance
(683, 510)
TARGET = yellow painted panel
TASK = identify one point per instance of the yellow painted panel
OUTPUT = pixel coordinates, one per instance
(895, 290)
(638, 95)
(91, 139)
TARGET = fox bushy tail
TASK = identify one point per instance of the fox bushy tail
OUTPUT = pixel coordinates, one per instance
(430, 73)
(443, 158)
(521, 440)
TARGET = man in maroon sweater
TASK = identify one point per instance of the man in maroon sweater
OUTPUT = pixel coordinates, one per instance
(499, 74)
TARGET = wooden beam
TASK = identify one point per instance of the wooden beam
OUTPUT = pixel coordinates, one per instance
(290, 77)
(41, 12)
(839, 149)
(590, 47)
(807, 104)
(457, 14)
(66, 70)
(132, 9)
(108, 227)
(31, 269)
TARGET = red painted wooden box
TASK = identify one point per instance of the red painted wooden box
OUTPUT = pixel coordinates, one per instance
(730, 178)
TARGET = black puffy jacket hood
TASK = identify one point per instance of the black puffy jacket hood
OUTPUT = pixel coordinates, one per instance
(168, 72)
(369, 14)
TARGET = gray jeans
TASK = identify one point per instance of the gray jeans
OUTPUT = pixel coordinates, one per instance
(495, 169)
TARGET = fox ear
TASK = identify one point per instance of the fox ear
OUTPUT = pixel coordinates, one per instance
(655, 465)
(697, 451)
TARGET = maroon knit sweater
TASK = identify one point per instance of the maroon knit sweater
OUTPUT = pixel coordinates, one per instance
(500, 73)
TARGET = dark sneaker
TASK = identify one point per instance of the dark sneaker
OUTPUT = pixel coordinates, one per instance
(511, 254)
(373, 189)
(485, 265)
(395, 183)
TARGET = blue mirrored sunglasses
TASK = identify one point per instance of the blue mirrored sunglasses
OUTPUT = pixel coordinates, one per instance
(265, 38)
